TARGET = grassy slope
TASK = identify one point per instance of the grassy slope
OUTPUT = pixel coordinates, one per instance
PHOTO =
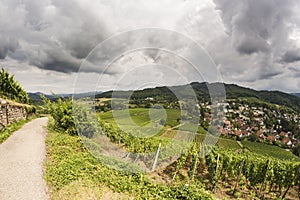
(10, 129)
(73, 173)
(270, 150)
(141, 117)
(232, 91)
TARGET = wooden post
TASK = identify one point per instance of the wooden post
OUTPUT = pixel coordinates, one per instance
(290, 185)
(194, 168)
(137, 157)
(239, 176)
(156, 157)
(217, 168)
(127, 156)
(120, 138)
(263, 185)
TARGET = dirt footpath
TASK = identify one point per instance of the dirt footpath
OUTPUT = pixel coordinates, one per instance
(21, 163)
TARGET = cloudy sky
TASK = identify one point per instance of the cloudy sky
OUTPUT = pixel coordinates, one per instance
(67, 46)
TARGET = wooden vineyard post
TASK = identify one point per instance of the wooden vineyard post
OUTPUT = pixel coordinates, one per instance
(263, 186)
(217, 168)
(239, 176)
(290, 185)
(156, 157)
(137, 157)
(120, 138)
(194, 168)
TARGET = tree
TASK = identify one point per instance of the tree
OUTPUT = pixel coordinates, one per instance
(296, 150)
(10, 88)
(253, 137)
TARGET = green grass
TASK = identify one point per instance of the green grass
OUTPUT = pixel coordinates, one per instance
(143, 122)
(10, 129)
(228, 143)
(270, 150)
(140, 116)
(69, 167)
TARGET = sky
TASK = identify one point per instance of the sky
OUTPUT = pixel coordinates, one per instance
(87, 45)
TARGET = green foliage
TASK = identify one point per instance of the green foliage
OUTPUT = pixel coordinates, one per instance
(68, 161)
(10, 88)
(9, 129)
(61, 111)
(30, 109)
(270, 150)
(245, 170)
(296, 150)
(165, 94)
(140, 116)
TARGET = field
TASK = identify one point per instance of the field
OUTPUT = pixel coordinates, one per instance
(140, 116)
(73, 173)
(270, 150)
(141, 123)
(233, 169)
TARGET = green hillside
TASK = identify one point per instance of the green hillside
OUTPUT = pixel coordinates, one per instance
(232, 91)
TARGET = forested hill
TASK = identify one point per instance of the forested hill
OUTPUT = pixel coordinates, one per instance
(232, 92)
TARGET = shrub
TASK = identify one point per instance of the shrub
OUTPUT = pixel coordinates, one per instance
(61, 111)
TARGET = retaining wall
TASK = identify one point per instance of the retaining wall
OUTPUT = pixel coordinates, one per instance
(11, 112)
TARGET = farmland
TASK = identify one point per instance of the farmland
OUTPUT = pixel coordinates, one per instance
(140, 117)
(164, 148)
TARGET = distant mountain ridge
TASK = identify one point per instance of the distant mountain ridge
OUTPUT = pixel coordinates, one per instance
(36, 96)
(296, 94)
(233, 91)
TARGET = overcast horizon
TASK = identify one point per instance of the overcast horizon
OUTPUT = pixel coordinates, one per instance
(253, 43)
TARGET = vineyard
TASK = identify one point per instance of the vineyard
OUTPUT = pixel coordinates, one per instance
(270, 150)
(234, 172)
(237, 170)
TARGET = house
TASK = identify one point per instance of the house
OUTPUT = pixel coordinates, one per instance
(271, 138)
(283, 134)
(287, 141)
(260, 134)
(227, 122)
(238, 133)
(223, 131)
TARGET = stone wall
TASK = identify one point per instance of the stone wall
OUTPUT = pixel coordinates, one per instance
(11, 112)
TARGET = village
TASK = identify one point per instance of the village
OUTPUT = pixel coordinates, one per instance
(260, 122)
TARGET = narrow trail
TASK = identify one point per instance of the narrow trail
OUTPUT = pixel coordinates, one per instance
(21, 163)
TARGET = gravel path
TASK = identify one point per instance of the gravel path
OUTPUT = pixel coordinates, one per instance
(21, 163)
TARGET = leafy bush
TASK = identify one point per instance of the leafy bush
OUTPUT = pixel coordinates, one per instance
(72, 117)
(296, 150)
(61, 111)
(9, 87)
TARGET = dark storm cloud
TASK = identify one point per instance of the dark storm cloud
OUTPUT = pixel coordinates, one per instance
(291, 56)
(295, 71)
(268, 75)
(7, 44)
(251, 41)
(251, 45)
(256, 25)
(262, 41)
(55, 35)
(56, 60)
